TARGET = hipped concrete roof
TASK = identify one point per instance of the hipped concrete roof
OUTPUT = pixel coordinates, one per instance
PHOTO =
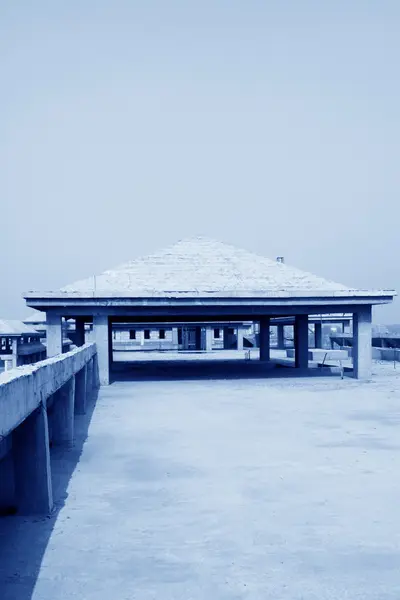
(15, 328)
(203, 267)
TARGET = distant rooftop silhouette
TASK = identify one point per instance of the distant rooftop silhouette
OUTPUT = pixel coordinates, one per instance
(203, 265)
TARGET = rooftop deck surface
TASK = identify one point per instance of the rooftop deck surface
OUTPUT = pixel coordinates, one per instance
(281, 489)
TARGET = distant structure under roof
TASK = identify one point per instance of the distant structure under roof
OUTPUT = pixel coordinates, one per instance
(202, 279)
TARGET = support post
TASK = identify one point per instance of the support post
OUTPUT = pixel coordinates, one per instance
(240, 336)
(264, 339)
(80, 391)
(53, 334)
(362, 343)
(62, 422)
(208, 338)
(301, 341)
(79, 331)
(318, 335)
(30, 447)
(96, 378)
(227, 338)
(175, 342)
(101, 334)
(14, 353)
(281, 337)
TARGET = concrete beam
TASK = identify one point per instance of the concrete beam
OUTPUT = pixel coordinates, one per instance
(31, 456)
(362, 343)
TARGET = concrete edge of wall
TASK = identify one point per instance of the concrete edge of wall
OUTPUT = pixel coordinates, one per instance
(23, 389)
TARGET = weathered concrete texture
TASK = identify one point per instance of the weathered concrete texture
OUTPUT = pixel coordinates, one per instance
(23, 389)
(30, 448)
(63, 414)
(81, 391)
(101, 337)
(230, 489)
(53, 334)
(362, 350)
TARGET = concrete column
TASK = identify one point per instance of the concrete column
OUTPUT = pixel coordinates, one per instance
(281, 337)
(301, 341)
(96, 378)
(62, 416)
(264, 339)
(208, 339)
(101, 332)
(7, 485)
(30, 447)
(175, 338)
(81, 391)
(79, 331)
(14, 353)
(240, 336)
(53, 334)
(227, 338)
(89, 379)
(362, 343)
(318, 335)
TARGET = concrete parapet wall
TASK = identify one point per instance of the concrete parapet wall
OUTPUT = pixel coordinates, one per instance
(23, 389)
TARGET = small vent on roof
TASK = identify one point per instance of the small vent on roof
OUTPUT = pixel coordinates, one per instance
(280, 259)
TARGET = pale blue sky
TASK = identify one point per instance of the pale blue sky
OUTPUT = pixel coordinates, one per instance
(125, 125)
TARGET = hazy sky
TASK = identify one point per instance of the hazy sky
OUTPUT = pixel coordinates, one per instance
(127, 125)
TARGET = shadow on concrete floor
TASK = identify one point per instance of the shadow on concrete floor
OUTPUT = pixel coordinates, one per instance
(23, 540)
(159, 370)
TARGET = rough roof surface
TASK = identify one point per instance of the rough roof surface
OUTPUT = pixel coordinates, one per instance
(203, 265)
(37, 317)
(12, 327)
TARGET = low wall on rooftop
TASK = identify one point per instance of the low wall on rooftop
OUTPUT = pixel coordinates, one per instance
(38, 406)
(24, 388)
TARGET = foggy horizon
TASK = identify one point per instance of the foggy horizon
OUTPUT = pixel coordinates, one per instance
(125, 128)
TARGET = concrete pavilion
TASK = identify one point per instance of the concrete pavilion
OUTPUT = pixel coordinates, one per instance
(201, 279)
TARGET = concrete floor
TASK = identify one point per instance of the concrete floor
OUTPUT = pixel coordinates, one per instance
(276, 489)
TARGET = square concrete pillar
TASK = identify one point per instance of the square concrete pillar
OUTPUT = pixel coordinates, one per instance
(264, 339)
(227, 338)
(301, 341)
(240, 336)
(318, 335)
(81, 391)
(79, 331)
(7, 485)
(62, 415)
(96, 377)
(208, 339)
(101, 337)
(31, 455)
(362, 343)
(281, 337)
(53, 334)
(175, 341)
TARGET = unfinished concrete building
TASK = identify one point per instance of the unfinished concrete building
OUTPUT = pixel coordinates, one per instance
(201, 280)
